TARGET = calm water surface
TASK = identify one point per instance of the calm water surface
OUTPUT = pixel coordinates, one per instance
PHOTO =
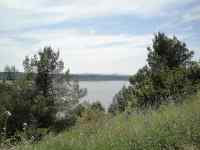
(102, 91)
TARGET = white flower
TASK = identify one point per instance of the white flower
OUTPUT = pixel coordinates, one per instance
(60, 115)
(63, 99)
(25, 124)
(8, 113)
(32, 138)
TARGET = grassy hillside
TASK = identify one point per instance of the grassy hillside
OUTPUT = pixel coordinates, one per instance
(169, 128)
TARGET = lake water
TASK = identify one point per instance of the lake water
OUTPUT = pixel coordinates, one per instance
(102, 91)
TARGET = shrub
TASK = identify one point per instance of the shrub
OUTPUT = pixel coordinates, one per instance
(171, 127)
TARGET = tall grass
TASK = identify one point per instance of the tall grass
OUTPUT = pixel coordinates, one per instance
(169, 128)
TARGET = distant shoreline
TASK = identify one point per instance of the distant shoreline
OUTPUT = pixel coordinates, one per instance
(83, 77)
(99, 77)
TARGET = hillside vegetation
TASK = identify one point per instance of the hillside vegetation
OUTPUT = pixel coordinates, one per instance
(170, 127)
(159, 110)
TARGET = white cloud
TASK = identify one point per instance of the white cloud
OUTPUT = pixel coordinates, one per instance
(21, 13)
(182, 19)
(192, 15)
(82, 51)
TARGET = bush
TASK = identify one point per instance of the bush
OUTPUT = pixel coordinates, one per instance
(64, 123)
(122, 101)
(170, 127)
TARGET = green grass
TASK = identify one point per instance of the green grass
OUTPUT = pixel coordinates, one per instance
(169, 128)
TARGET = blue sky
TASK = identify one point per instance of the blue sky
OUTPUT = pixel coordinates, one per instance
(107, 36)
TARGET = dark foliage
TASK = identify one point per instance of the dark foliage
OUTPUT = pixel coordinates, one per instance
(122, 100)
(38, 98)
(170, 76)
(97, 106)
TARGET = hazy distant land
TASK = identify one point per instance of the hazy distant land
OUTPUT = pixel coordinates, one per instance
(84, 77)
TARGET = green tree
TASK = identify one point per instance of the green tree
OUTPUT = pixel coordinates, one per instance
(166, 76)
(45, 98)
(16, 99)
(56, 95)
(122, 100)
(97, 106)
(193, 73)
(48, 65)
(28, 65)
(168, 52)
(169, 76)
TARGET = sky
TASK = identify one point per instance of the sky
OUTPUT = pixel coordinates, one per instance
(94, 36)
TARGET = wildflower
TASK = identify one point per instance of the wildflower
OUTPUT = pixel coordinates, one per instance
(25, 124)
(8, 113)
(32, 138)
